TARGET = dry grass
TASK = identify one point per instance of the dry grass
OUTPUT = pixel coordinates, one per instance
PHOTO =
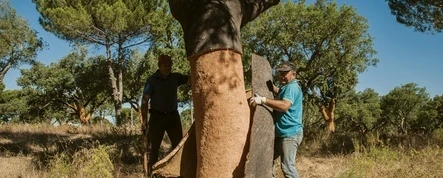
(32, 150)
(386, 162)
(43, 143)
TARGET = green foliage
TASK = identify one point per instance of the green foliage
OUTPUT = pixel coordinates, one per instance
(118, 26)
(358, 112)
(129, 116)
(431, 115)
(330, 45)
(423, 16)
(18, 42)
(60, 166)
(100, 120)
(312, 121)
(171, 43)
(66, 86)
(99, 21)
(136, 73)
(93, 162)
(437, 136)
(186, 119)
(12, 105)
(401, 108)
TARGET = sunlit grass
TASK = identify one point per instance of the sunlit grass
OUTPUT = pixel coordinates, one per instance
(386, 162)
(102, 150)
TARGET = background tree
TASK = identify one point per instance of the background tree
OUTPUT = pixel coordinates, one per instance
(116, 25)
(138, 68)
(430, 116)
(18, 42)
(401, 108)
(129, 117)
(330, 45)
(12, 105)
(136, 72)
(67, 85)
(422, 15)
(105, 113)
(359, 112)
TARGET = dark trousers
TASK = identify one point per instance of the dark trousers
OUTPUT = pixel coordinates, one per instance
(158, 124)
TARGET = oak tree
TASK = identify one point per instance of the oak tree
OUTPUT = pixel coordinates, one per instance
(19, 43)
(330, 46)
(116, 26)
(422, 15)
(66, 86)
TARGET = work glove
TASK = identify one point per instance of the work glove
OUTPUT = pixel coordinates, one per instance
(257, 99)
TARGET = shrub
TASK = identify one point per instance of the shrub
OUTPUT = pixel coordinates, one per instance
(92, 162)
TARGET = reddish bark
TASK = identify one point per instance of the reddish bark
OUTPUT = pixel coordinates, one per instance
(328, 114)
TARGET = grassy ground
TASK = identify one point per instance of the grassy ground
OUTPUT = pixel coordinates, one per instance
(97, 151)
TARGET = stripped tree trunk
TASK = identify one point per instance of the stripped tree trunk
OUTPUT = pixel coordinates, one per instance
(221, 114)
(328, 114)
(212, 40)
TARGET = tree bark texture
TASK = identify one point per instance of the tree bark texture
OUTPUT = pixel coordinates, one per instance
(212, 40)
(221, 114)
(328, 114)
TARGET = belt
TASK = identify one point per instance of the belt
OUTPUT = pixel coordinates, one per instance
(161, 112)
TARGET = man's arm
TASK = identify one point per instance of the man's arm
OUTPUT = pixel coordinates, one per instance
(145, 108)
(279, 105)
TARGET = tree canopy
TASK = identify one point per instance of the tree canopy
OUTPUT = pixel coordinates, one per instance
(19, 43)
(115, 25)
(67, 86)
(101, 22)
(330, 46)
(422, 15)
(401, 107)
(359, 112)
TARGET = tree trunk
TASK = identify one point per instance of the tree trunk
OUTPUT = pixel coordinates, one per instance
(212, 40)
(4, 70)
(221, 114)
(83, 115)
(116, 90)
(119, 102)
(328, 114)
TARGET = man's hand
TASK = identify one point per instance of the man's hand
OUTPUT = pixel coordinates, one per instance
(257, 99)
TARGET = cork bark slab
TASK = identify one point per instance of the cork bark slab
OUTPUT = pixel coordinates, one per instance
(259, 161)
(182, 161)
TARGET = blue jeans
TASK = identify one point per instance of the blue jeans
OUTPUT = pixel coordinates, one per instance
(286, 148)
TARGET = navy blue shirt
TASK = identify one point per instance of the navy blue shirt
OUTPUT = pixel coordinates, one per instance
(163, 91)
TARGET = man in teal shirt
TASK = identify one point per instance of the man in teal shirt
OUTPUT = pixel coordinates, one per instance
(288, 110)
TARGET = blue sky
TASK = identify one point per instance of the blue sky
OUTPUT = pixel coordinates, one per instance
(405, 55)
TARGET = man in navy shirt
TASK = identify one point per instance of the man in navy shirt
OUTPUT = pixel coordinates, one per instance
(161, 91)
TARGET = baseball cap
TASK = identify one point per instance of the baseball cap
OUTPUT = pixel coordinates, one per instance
(286, 66)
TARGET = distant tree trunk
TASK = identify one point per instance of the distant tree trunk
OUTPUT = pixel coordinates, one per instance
(82, 114)
(328, 114)
(212, 40)
(4, 70)
(116, 84)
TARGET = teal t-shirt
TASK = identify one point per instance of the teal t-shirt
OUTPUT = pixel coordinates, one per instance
(289, 123)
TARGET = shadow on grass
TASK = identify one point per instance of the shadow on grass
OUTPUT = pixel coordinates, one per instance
(44, 146)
